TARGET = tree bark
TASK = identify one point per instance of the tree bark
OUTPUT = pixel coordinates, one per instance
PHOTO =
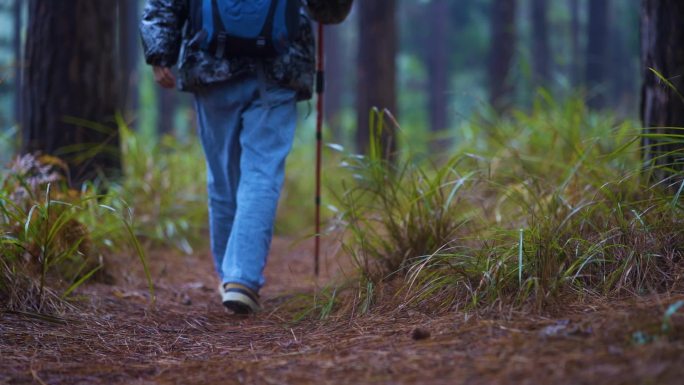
(129, 57)
(376, 69)
(167, 101)
(597, 53)
(17, 59)
(334, 80)
(69, 96)
(575, 71)
(501, 55)
(624, 81)
(541, 53)
(662, 107)
(438, 71)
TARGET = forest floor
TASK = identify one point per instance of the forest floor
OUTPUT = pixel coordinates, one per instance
(116, 337)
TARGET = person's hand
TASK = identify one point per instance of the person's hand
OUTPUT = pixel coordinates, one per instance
(164, 77)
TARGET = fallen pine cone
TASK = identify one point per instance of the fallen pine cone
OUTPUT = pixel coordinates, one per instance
(420, 334)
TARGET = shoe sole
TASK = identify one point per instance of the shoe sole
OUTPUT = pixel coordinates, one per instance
(238, 302)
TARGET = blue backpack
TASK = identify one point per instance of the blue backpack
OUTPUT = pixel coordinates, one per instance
(252, 28)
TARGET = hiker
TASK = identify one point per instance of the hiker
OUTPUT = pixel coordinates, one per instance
(247, 62)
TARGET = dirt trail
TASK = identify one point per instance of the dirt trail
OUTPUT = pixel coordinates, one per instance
(188, 338)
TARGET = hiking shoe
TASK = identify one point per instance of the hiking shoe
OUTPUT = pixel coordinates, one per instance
(239, 298)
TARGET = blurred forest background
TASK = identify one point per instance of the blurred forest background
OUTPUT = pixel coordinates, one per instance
(442, 61)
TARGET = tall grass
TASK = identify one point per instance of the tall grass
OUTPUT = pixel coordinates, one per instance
(53, 238)
(527, 210)
(164, 184)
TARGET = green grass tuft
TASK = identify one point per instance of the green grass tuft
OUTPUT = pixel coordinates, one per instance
(53, 238)
(527, 210)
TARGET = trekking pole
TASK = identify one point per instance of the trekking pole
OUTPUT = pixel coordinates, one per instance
(320, 85)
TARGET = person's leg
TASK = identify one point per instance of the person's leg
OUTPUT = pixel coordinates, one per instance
(266, 139)
(219, 109)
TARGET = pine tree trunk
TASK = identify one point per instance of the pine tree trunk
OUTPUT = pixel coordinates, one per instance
(376, 68)
(17, 59)
(129, 57)
(334, 79)
(502, 50)
(621, 77)
(662, 34)
(69, 87)
(167, 101)
(597, 53)
(541, 53)
(624, 81)
(575, 66)
(438, 71)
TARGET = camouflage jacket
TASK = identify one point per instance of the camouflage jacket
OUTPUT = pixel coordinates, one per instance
(166, 34)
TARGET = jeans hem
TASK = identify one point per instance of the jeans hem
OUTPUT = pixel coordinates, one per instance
(242, 282)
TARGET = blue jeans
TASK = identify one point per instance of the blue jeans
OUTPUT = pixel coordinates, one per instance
(246, 128)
